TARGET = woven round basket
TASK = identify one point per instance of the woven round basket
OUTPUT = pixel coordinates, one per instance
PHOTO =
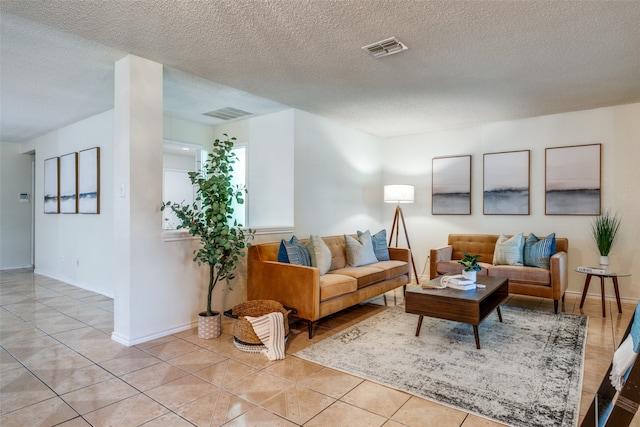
(243, 331)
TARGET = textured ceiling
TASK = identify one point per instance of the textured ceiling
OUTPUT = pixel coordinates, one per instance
(467, 63)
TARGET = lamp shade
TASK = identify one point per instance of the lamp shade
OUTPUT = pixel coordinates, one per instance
(398, 194)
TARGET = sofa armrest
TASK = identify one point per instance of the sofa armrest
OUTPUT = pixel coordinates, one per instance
(437, 255)
(559, 272)
(292, 285)
(400, 254)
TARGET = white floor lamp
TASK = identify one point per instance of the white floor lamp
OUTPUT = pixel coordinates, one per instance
(400, 194)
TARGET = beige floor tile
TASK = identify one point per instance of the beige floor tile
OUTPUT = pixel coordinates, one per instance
(214, 409)
(7, 361)
(341, 414)
(168, 420)
(196, 360)
(153, 376)
(62, 323)
(293, 368)
(77, 335)
(65, 380)
(419, 412)
(133, 361)
(258, 387)
(101, 348)
(225, 373)
(298, 404)
(259, 417)
(181, 391)
(132, 411)
(222, 345)
(48, 412)
(75, 422)
(376, 398)
(20, 388)
(99, 395)
(475, 421)
(330, 382)
(155, 342)
(256, 360)
(171, 349)
(18, 332)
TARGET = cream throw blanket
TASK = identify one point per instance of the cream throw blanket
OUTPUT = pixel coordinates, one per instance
(270, 329)
(626, 354)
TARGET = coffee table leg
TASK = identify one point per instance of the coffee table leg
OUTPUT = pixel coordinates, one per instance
(419, 325)
(499, 313)
(615, 288)
(587, 281)
(477, 336)
(604, 312)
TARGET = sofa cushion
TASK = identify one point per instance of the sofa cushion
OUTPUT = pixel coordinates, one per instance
(380, 248)
(509, 250)
(522, 274)
(365, 275)
(538, 251)
(319, 253)
(392, 268)
(296, 252)
(334, 285)
(360, 251)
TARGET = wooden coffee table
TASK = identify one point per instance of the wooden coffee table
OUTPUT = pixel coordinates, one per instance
(460, 306)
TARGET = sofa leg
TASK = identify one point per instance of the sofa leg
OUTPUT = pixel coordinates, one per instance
(555, 306)
(563, 295)
(310, 327)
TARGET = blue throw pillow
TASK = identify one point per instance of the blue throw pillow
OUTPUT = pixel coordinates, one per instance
(380, 247)
(537, 252)
(294, 252)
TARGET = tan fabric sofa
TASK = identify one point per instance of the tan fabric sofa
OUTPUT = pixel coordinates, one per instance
(524, 280)
(315, 296)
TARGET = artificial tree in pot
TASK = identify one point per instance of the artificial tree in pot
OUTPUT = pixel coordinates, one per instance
(605, 231)
(210, 218)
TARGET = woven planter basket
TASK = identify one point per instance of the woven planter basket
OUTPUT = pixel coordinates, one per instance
(243, 331)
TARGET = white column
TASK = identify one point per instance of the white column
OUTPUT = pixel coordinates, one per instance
(138, 193)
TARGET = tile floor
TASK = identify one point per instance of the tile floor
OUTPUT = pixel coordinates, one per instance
(59, 366)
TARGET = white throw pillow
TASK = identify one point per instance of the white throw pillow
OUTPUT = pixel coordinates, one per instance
(509, 250)
(359, 252)
(320, 253)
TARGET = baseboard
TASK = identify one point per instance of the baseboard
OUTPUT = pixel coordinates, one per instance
(607, 297)
(131, 342)
(72, 282)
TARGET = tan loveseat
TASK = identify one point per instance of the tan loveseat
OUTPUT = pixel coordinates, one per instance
(524, 280)
(315, 296)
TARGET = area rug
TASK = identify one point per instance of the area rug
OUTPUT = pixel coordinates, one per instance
(527, 373)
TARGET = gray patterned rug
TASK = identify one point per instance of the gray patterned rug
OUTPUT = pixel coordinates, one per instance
(527, 373)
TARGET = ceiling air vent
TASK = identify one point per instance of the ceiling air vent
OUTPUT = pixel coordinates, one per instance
(385, 47)
(227, 113)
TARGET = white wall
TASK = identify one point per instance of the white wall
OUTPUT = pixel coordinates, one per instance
(16, 177)
(270, 142)
(76, 248)
(408, 161)
(338, 180)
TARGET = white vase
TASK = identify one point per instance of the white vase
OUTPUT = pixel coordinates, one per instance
(604, 261)
(471, 275)
(209, 327)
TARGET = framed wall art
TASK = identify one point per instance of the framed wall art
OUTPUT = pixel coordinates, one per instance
(506, 183)
(51, 185)
(451, 185)
(69, 183)
(89, 181)
(573, 180)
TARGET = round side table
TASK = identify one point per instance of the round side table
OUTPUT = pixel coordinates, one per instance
(614, 278)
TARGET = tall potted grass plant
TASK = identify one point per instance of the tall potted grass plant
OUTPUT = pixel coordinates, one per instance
(605, 229)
